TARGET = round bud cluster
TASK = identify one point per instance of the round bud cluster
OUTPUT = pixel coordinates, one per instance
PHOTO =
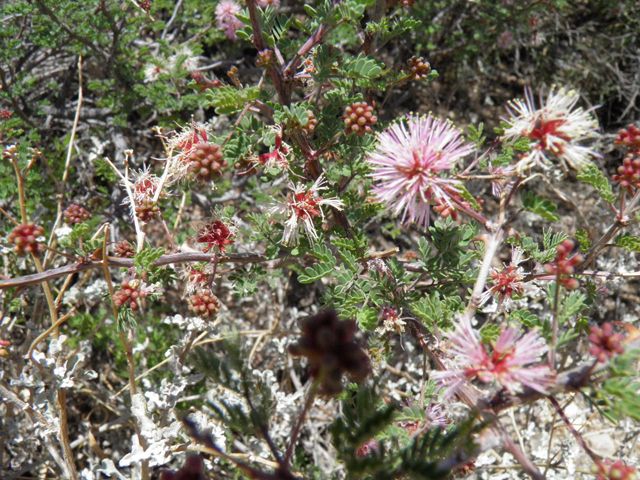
(6, 114)
(565, 266)
(76, 214)
(629, 173)
(629, 137)
(147, 209)
(206, 161)
(129, 293)
(617, 470)
(204, 303)
(4, 353)
(312, 123)
(265, 58)
(605, 343)
(332, 350)
(359, 118)
(418, 68)
(145, 5)
(24, 237)
(124, 249)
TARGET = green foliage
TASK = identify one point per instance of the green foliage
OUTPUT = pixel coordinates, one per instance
(490, 333)
(583, 239)
(619, 395)
(435, 312)
(319, 270)
(143, 261)
(594, 177)
(227, 99)
(396, 453)
(228, 368)
(628, 242)
(538, 205)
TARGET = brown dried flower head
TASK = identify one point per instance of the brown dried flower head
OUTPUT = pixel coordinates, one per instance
(332, 350)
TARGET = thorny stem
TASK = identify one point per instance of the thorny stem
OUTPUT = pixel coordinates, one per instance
(23, 206)
(574, 432)
(621, 222)
(311, 395)
(554, 327)
(126, 343)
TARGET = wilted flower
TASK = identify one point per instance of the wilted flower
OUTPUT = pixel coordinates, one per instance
(508, 282)
(193, 469)
(408, 162)
(301, 206)
(332, 350)
(555, 128)
(507, 364)
(144, 188)
(391, 322)
(216, 233)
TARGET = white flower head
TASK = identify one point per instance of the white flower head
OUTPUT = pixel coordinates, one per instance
(555, 129)
(301, 206)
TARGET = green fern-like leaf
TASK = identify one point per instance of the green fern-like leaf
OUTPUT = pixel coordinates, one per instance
(538, 205)
(594, 177)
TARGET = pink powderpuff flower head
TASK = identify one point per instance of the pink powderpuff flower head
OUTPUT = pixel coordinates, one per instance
(555, 128)
(508, 364)
(301, 206)
(266, 3)
(408, 162)
(226, 18)
(226, 10)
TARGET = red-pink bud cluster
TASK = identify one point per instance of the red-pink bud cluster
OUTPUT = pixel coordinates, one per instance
(629, 137)
(204, 303)
(24, 237)
(359, 118)
(76, 214)
(418, 68)
(130, 293)
(6, 114)
(4, 353)
(564, 266)
(205, 160)
(124, 249)
(605, 343)
(617, 470)
(629, 172)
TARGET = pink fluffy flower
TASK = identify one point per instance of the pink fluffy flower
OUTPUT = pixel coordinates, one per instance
(227, 10)
(408, 162)
(555, 129)
(508, 364)
(226, 18)
(266, 3)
